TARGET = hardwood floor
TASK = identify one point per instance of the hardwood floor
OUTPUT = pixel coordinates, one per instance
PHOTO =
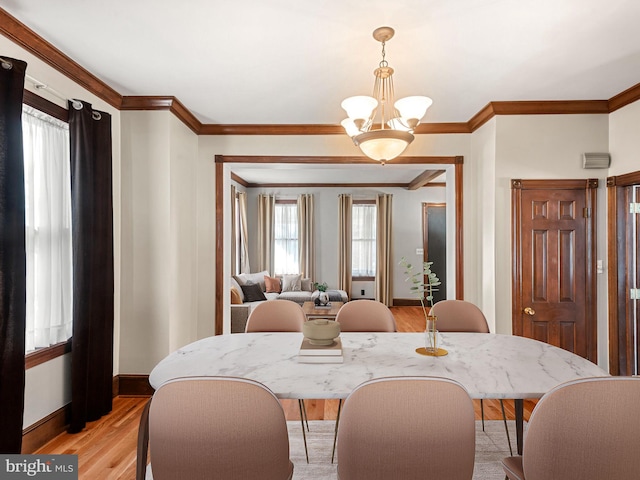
(106, 449)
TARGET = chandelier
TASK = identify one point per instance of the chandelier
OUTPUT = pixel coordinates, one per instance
(380, 126)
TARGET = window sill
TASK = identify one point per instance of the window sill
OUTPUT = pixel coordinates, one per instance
(42, 355)
(363, 279)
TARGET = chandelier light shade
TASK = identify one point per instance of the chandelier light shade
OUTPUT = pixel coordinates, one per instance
(380, 126)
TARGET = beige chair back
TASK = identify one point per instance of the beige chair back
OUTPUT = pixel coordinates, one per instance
(222, 427)
(459, 316)
(585, 430)
(407, 427)
(276, 316)
(365, 316)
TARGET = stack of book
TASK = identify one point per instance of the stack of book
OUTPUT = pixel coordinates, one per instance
(320, 353)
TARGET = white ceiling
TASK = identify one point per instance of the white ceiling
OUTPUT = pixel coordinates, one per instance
(293, 61)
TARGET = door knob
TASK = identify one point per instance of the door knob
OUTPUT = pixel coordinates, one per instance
(529, 311)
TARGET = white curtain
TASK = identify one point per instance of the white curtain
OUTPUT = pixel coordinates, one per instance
(48, 229)
(286, 239)
(234, 232)
(306, 236)
(364, 240)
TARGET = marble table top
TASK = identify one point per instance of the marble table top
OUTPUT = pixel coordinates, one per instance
(488, 365)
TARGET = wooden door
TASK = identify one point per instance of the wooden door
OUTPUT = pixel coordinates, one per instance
(434, 240)
(554, 263)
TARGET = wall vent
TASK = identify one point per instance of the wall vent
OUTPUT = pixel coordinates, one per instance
(596, 160)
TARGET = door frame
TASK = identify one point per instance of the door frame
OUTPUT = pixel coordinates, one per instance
(590, 186)
(617, 276)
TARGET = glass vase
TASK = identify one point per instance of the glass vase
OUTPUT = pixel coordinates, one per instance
(431, 335)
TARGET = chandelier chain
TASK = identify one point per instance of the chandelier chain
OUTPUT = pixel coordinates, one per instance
(383, 62)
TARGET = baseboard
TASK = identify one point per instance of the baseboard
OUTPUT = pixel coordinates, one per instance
(406, 302)
(134, 386)
(47, 428)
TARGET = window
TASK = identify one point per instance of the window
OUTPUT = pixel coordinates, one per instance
(363, 239)
(48, 229)
(286, 237)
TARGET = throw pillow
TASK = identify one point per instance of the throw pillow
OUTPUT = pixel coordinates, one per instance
(252, 292)
(306, 285)
(248, 278)
(236, 285)
(235, 297)
(291, 283)
(272, 284)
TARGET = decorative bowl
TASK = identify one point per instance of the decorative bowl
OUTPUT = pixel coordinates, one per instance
(321, 331)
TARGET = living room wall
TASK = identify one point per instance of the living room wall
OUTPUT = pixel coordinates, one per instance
(407, 226)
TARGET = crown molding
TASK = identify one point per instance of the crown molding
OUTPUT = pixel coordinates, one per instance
(23, 36)
(170, 103)
(623, 99)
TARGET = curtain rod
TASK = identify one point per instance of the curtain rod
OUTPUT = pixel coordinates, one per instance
(38, 85)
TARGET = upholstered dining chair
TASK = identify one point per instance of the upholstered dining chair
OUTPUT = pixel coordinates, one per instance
(365, 316)
(362, 316)
(462, 316)
(407, 427)
(582, 430)
(280, 316)
(231, 428)
(276, 316)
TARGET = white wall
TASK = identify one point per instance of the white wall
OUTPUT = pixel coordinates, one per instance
(546, 147)
(407, 226)
(164, 283)
(624, 139)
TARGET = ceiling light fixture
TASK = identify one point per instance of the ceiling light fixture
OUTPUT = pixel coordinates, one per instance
(381, 127)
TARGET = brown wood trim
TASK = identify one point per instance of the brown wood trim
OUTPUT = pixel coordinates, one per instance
(43, 355)
(334, 160)
(134, 385)
(239, 180)
(550, 107)
(624, 180)
(442, 128)
(435, 184)
(264, 129)
(458, 161)
(482, 117)
(364, 202)
(579, 184)
(612, 278)
(311, 185)
(424, 178)
(162, 103)
(45, 429)
(219, 309)
(406, 302)
(623, 99)
(459, 230)
(363, 279)
(44, 105)
(591, 309)
(115, 386)
(23, 36)
(516, 256)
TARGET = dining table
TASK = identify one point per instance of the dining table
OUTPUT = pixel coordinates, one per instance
(487, 365)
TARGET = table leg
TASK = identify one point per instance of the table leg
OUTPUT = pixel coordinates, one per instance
(519, 408)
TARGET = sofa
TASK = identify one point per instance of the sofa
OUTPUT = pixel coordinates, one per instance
(250, 289)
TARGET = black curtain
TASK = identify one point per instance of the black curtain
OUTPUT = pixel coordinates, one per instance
(12, 256)
(92, 213)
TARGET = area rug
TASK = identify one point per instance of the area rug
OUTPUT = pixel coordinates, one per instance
(491, 447)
